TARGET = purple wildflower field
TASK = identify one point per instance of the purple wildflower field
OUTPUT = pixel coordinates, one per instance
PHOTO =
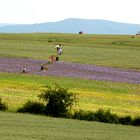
(67, 69)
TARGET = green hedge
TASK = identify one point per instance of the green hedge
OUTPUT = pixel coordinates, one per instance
(100, 115)
(106, 117)
(32, 107)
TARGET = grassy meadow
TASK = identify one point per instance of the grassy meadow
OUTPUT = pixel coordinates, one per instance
(34, 127)
(120, 98)
(102, 50)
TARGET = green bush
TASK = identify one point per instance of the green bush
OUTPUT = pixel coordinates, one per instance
(84, 115)
(58, 101)
(100, 115)
(106, 116)
(80, 115)
(3, 106)
(136, 121)
(32, 107)
(127, 120)
(90, 116)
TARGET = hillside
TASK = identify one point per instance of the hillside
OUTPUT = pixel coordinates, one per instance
(74, 26)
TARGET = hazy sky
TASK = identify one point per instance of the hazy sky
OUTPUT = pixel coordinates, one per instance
(38, 11)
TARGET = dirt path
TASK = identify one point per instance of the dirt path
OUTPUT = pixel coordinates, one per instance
(69, 70)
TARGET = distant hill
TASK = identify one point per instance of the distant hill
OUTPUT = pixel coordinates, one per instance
(74, 26)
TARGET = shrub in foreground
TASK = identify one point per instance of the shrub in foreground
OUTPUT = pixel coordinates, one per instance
(84, 115)
(59, 101)
(106, 116)
(100, 116)
(3, 106)
(32, 107)
(127, 120)
(136, 121)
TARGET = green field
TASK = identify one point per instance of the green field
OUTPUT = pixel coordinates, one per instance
(102, 50)
(33, 127)
(121, 98)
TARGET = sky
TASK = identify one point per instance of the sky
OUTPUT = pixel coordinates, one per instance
(40, 11)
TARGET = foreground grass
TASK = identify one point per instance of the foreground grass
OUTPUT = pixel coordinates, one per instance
(120, 98)
(24, 126)
(104, 50)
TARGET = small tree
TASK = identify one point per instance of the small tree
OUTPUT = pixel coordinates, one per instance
(58, 100)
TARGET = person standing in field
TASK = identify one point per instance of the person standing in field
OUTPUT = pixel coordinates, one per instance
(58, 48)
(24, 70)
(52, 58)
(42, 68)
(59, 51)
